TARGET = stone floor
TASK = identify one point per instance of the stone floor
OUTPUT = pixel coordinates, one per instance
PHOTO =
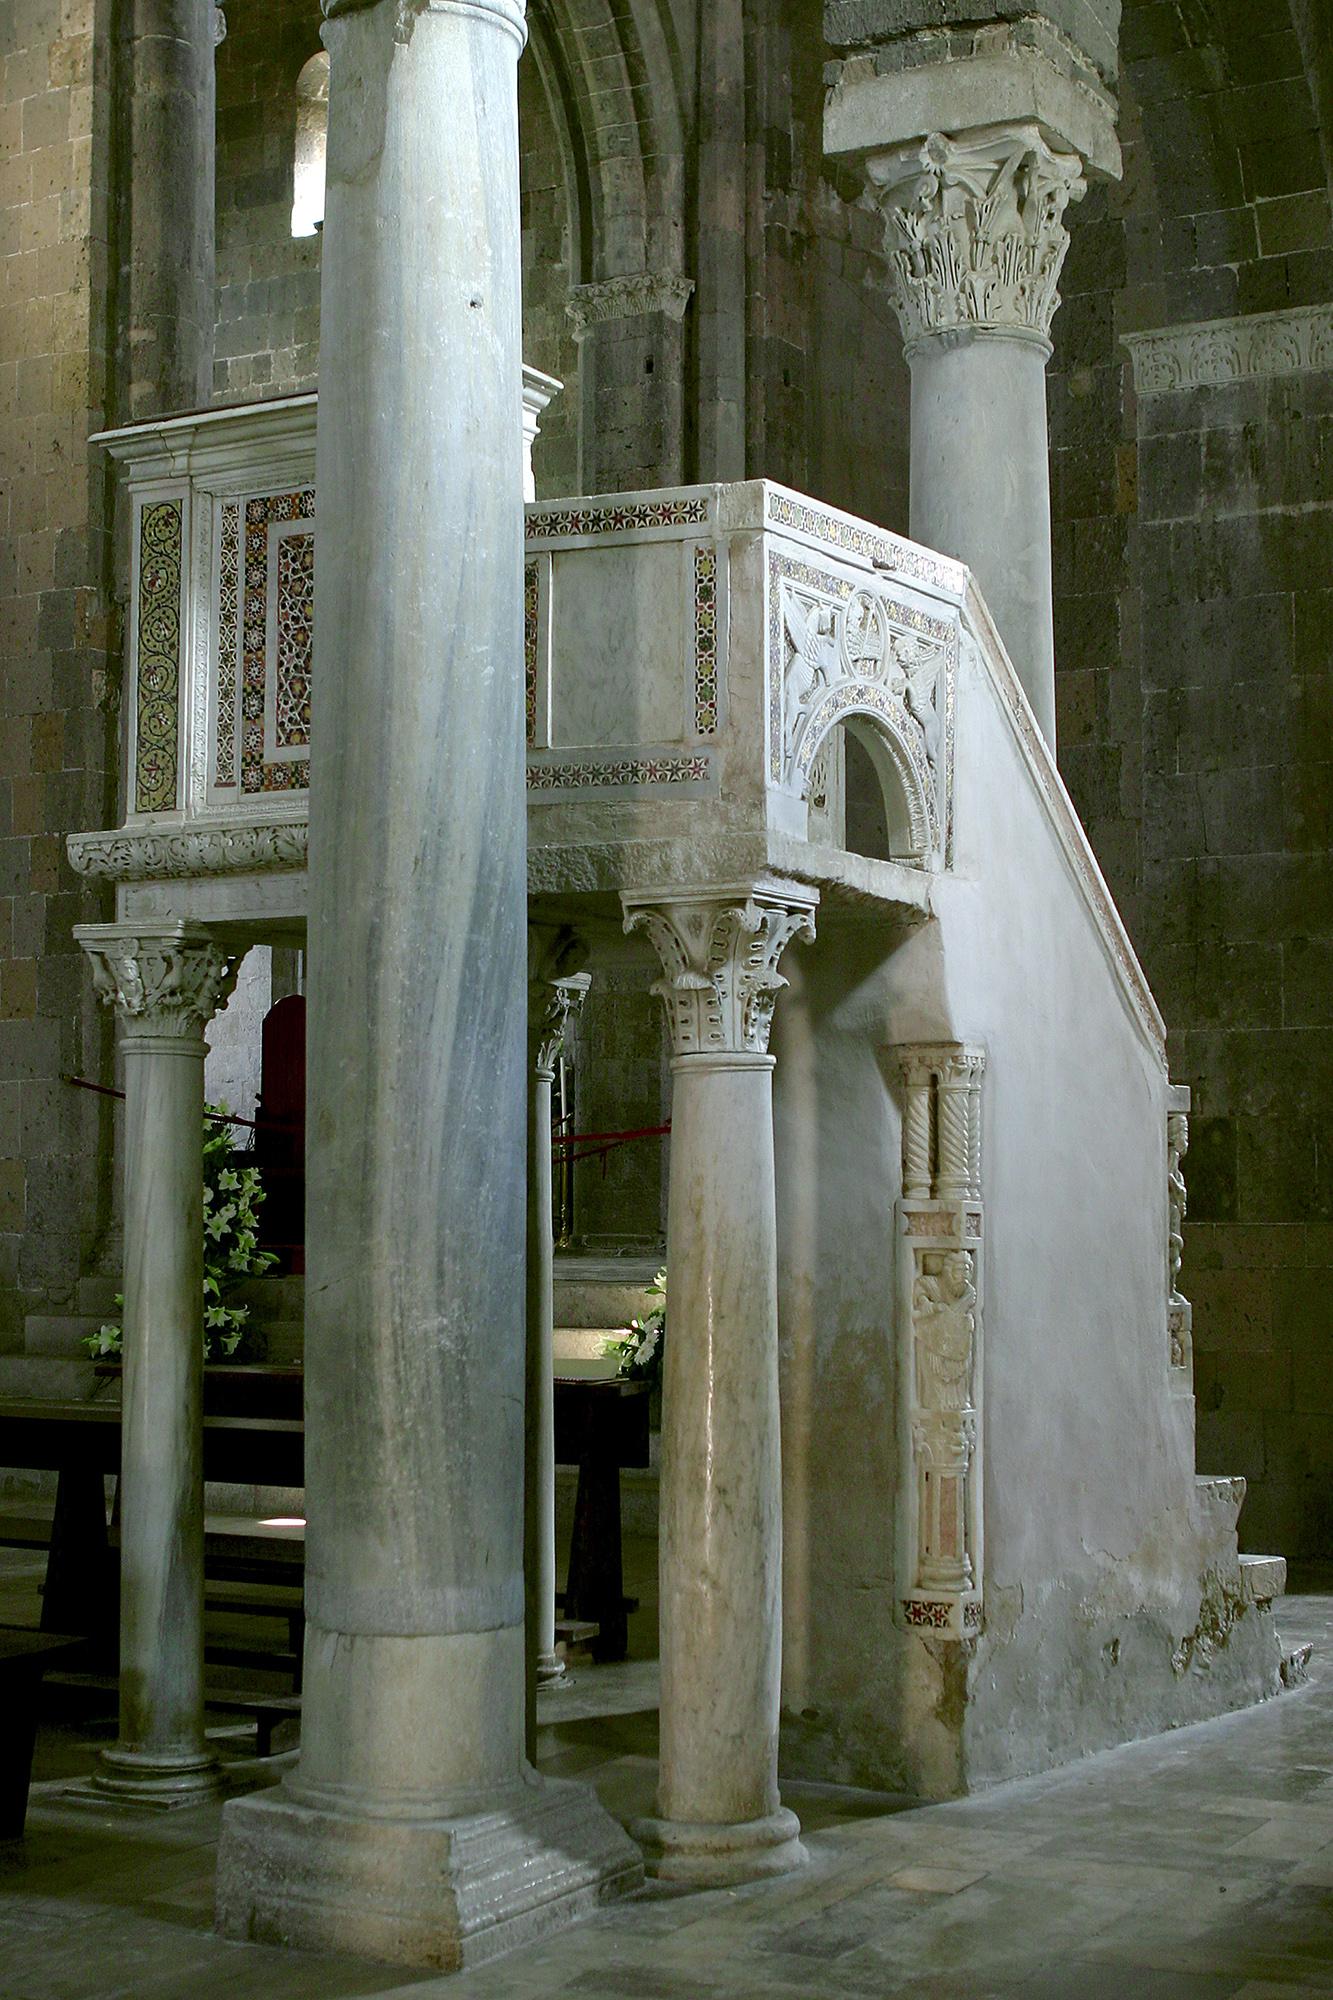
(1195, 1866)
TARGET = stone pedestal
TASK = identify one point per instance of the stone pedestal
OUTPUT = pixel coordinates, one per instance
(165, 983)
(975, 238)
(413, 1829)
(552, 1001)
(719, 1815)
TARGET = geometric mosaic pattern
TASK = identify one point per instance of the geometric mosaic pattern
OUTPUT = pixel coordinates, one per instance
(705, 639)
(224, 757)
(531, 602)
(295, 622)
(158, 690)
(258, 775)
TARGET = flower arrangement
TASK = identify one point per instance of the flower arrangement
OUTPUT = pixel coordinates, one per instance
(232, 1196)
(639, 1350)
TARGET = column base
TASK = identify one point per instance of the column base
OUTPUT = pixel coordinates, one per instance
(442, 1893)
(703, 1856)
(550, 1670)
(129, 1778)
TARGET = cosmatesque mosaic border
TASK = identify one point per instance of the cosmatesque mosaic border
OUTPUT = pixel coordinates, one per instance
(705, 639)
(157, 706)
(871, 544)
(229, 565)
(554, 523)
(580, 774)
(531, 605)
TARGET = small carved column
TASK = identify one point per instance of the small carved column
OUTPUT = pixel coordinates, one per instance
(940, 1229)
(552, 1001)
(721, 1534)
(975, 235)
(165, 983)
(1179, 1312)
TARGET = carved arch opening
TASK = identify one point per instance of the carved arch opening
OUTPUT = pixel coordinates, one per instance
(860, 781)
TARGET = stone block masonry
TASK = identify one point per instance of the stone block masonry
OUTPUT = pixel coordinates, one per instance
(58, 638)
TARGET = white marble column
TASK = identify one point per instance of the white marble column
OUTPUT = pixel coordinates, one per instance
(719, 1818)
(413, 1829)
(553, 1000)
(975, 236)
(165, 983)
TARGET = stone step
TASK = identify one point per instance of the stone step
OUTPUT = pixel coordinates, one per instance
(273, 1298)
(98, 1295)
(60, 1333)
(49, 1375)
(1263, 1577)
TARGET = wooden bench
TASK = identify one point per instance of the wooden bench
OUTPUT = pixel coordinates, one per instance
(24, 1657)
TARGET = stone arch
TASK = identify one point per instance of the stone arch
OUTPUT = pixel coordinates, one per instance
(876, 720)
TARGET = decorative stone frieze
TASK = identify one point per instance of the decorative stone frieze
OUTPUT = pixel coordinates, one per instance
(975, 229)
(1179, 1312)
(940, 1229)
(720, 956)
(1211, 353)
(125, 855)
(628, 298)
(167, 981)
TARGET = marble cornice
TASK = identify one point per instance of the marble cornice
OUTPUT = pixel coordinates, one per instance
(629, 298)
(152, 854)
(1211, 353)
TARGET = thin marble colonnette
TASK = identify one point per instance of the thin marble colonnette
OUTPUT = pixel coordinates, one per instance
(720, 1818)
(165, 983)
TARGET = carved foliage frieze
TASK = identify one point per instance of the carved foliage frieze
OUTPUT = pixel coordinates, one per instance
(941, 1237)
(974, 226)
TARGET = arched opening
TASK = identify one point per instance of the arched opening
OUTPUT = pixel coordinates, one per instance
(312, 126)
(856, 795)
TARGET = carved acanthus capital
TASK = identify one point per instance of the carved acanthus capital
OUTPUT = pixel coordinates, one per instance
(167, 980)
(628, 298)
(551, 1009)
(720, 958)
(974, 229)
(510, 14)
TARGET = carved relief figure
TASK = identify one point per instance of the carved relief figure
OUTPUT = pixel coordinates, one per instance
(944, 1302)
(1177, 1145)
(812, 634)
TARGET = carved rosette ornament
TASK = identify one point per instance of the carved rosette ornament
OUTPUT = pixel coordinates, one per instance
(940, 1230)
(165, 982)
(719, 959)
(974, 230)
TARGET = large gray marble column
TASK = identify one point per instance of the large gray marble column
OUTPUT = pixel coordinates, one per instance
(168, 250)
(720, 1818)
(412, 1828)
(554, 998)
(975, 237)
(165, 983)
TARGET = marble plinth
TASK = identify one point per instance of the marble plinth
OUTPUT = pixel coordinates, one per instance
(443, 1893)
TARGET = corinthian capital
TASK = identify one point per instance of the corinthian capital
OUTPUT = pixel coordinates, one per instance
(974, 229)
(719, 958)
(166, 980)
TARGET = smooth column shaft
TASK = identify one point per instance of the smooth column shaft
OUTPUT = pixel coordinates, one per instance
(162, 1484)
(721, 1548)
(980, 486)
(169, 246)
(415, 1302)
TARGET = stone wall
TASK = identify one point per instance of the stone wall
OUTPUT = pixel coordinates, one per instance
(267, 279)
(1194, 625)
(57, 639)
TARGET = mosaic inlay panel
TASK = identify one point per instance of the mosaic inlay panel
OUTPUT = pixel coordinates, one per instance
(295, 627)
(872, 544)
(559, 521)
(258, 773)
(159, 645)
(531, 602)
(619, 771)
(705, 639)
(229, 599)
